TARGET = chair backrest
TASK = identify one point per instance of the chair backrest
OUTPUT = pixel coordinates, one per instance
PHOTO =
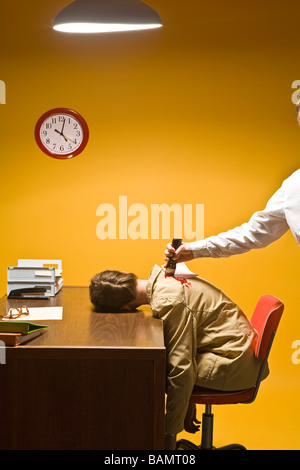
(265, 320)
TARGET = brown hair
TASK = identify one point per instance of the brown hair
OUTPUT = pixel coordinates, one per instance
(111, 290)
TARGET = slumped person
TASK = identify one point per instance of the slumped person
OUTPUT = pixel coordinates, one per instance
(209, 340)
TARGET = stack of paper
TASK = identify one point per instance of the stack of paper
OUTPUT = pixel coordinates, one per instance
(34, 278)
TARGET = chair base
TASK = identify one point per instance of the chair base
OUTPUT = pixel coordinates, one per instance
(184, 444)
(207, 436)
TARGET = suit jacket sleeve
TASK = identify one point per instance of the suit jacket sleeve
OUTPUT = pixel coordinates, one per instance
(180, 341)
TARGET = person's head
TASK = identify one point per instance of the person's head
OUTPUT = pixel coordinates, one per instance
(113, 291)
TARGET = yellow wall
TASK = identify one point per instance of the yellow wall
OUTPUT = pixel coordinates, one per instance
(198, 112)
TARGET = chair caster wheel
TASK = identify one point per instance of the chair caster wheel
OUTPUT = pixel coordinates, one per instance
(183, 444)
(233, 447)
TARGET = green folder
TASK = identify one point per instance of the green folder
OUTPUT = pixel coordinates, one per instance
(20, 327)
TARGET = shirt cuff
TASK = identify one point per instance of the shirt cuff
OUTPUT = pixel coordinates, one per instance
(199, 249)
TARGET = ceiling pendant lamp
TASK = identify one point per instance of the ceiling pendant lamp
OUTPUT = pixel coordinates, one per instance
(98, 16)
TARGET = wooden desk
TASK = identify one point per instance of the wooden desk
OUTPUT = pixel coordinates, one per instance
(92, 381)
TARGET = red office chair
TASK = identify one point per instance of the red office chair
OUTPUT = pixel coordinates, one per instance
(265, 320)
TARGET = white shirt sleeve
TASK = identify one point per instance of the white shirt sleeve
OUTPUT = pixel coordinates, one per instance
(263, 228)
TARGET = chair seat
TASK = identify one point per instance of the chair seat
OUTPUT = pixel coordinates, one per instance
(216, 397)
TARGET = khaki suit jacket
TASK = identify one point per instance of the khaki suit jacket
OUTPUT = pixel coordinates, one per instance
(209, 341)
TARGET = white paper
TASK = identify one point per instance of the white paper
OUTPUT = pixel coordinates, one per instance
(183, 271)
(41, 313)
(43, 273)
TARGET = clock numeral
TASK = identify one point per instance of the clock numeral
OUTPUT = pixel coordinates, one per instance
(48, 125)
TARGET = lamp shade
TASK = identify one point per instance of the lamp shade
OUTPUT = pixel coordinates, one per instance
(95, 16)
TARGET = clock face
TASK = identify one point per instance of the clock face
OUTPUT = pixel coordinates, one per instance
(61, 133)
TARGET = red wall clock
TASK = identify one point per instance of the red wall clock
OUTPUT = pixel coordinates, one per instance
(61, 133)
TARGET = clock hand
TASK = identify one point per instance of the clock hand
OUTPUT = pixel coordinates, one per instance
(60, 133)
(68, 138)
